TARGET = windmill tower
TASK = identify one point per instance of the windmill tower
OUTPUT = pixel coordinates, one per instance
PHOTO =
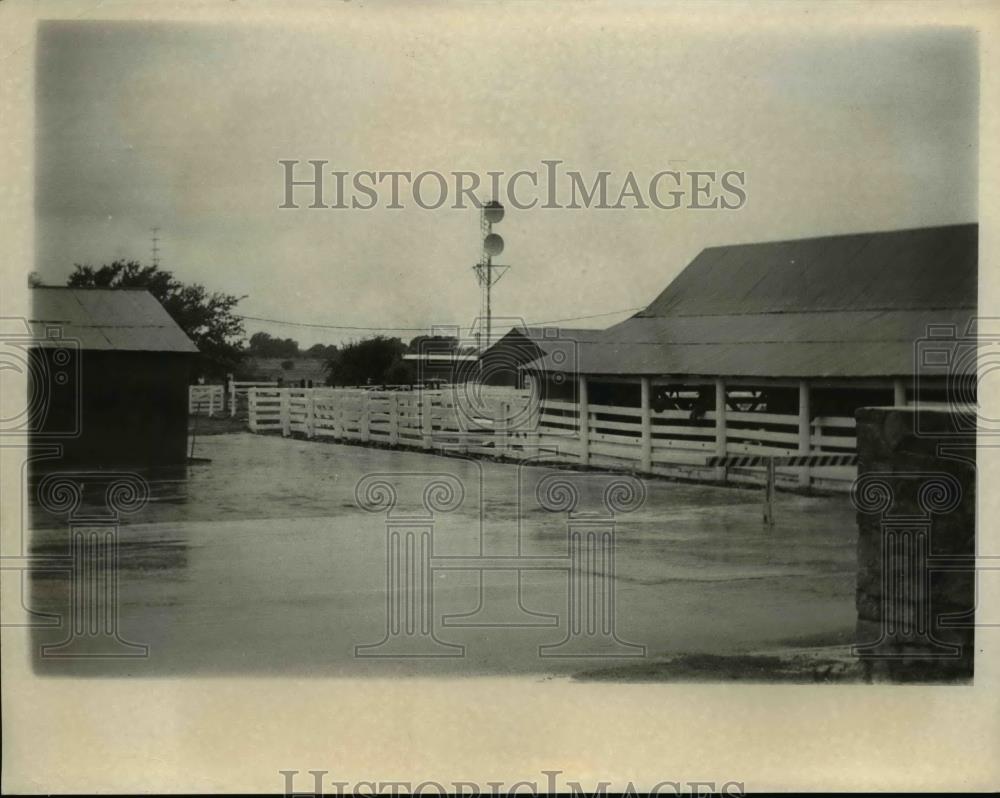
(156, 246)
(487, 272)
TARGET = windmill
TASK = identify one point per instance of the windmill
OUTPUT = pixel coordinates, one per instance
(487, 272)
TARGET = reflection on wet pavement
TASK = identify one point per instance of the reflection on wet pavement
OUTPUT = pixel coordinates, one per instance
(261, 561)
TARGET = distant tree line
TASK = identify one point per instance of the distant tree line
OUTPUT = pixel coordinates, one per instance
(262, 344)
(210, 320)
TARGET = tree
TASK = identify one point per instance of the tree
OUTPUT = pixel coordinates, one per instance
(208, 318)
(263, 344)
(377, 360)
(437, 344)
(322, 352)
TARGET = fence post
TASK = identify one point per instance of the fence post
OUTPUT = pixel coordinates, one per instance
(769, 493)
(252, 409)
(720, 426)
(805, 430)
(899, 393)
(285, 402)
(426, 420)
(501, 431)
(646, 425)
(337, 411)
(232, 398)
(363, 422)
(393, 418)
(533, 413)
(310, 395)
(583, 408)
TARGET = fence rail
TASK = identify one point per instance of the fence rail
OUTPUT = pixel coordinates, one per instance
(205, 400)
(512, 424)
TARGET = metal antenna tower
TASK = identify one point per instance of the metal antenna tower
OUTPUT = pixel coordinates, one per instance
(487, 272)
(156, 247)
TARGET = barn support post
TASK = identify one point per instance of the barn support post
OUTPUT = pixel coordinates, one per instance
(646, 427)
(805, 430)
(720, 426)
(286, 411)
(899, 393)
(583, 411)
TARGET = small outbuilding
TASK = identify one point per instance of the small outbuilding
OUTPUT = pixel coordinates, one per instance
(110, 372)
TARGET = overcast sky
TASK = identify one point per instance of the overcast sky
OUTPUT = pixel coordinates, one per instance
(182, 127)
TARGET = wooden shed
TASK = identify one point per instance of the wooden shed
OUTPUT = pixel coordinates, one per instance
(111, 373)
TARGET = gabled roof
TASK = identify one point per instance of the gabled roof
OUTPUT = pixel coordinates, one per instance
(546, 338)
(107, 319)
(836, 306)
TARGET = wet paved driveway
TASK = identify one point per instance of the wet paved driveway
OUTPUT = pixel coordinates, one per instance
(261, 561)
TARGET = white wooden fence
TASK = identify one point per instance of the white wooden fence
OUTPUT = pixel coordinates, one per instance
(508, 423)
(205, 400)
(238, 391)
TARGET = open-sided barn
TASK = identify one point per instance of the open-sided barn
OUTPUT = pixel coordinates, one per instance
(812, 328)
(113, 371)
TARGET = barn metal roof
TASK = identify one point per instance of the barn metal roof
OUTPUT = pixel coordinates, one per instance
(107, 319)
(837, 306)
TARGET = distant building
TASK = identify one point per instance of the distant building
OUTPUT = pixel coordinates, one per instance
(444, 367)
(112, 370)
(289, 371)
(504, 363)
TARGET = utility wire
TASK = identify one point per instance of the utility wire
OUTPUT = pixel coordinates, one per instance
(419, 329)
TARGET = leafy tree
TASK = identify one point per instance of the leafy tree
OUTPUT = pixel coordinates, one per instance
(377, 360)
(322, 352)
(263, 344)
(208, 318)
(438, 344)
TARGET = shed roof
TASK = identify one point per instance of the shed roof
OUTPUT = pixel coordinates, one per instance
(836, 306)
(107, 319)
(546, 338)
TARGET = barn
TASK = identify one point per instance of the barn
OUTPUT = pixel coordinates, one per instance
(503, 363)
(749, 334)
(115, 368)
